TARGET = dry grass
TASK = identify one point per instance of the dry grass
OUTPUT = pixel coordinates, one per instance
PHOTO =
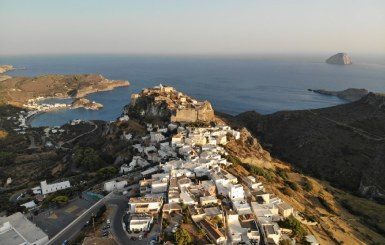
(3, 134)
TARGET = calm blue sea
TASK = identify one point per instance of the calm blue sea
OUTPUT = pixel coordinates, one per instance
(233, 84)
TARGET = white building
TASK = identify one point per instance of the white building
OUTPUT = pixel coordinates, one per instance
(29, 205)
(285, 209)
(272, 233)
(114, 185)
(236, 192)
(124, 169)
(207, 200)
(140, 222)
(235, 229)
(242, 207)
(156, 137)
(145, 204)
(16, 229)
(252, 183)
(50, 188)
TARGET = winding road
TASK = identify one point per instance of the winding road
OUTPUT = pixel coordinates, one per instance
(60, 145)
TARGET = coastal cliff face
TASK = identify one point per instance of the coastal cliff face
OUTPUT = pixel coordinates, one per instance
(342, 144)
(339, 59)
(165, 104)
(18, 90)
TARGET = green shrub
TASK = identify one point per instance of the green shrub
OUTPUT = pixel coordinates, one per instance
(282, 173)
(88, 158)
(6, 158)
(182, 237)
(60, 200)
(107, 172)
(293, 224)
(307, 185)
(292, 185)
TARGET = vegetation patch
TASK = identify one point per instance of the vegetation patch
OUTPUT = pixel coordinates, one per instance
(6, 158)
(183, 237)
(294, 225)
(307, 185)
(292, 185)
(88, 158)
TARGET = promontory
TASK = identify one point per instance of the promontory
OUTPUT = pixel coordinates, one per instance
(350, 94)
(20, 90)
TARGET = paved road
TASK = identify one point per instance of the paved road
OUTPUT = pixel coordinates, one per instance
(71, 231)
(120, 205)
(60, 145)
(118, 202)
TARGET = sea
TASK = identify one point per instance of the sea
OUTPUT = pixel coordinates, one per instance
(233, 84)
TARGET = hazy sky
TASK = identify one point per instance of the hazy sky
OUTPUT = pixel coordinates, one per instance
(191, 26)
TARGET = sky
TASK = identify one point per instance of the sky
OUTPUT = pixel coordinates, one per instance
(191, 26)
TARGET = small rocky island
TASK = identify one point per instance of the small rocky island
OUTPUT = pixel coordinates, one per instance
(86, 104)
(350, 94)
(339, 59)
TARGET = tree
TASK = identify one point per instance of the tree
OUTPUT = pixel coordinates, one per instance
(88, 158)
(107, 172)
(6, 158)
(182, 237)
(293, 224)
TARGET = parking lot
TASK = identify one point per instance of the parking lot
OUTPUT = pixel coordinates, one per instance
(54, 220)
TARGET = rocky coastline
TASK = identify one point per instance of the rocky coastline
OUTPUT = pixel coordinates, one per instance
(350, 94)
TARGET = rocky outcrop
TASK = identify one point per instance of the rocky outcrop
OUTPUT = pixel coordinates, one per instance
(86, 104)
(165, 104)
(343, 144)
(248, 150)
(350, 94)
(339, 59)
(5, 68)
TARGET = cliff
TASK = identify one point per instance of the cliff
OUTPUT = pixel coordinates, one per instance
(350, 94)
(165, 104)
(18, 90)
(343, 144)
(339, 59)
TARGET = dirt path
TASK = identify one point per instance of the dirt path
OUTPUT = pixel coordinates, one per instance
(81, 135)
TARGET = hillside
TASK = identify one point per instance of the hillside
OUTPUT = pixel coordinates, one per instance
(344, 144)
(18, 90)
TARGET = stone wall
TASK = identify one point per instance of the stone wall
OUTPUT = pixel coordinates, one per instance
(185, 115)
